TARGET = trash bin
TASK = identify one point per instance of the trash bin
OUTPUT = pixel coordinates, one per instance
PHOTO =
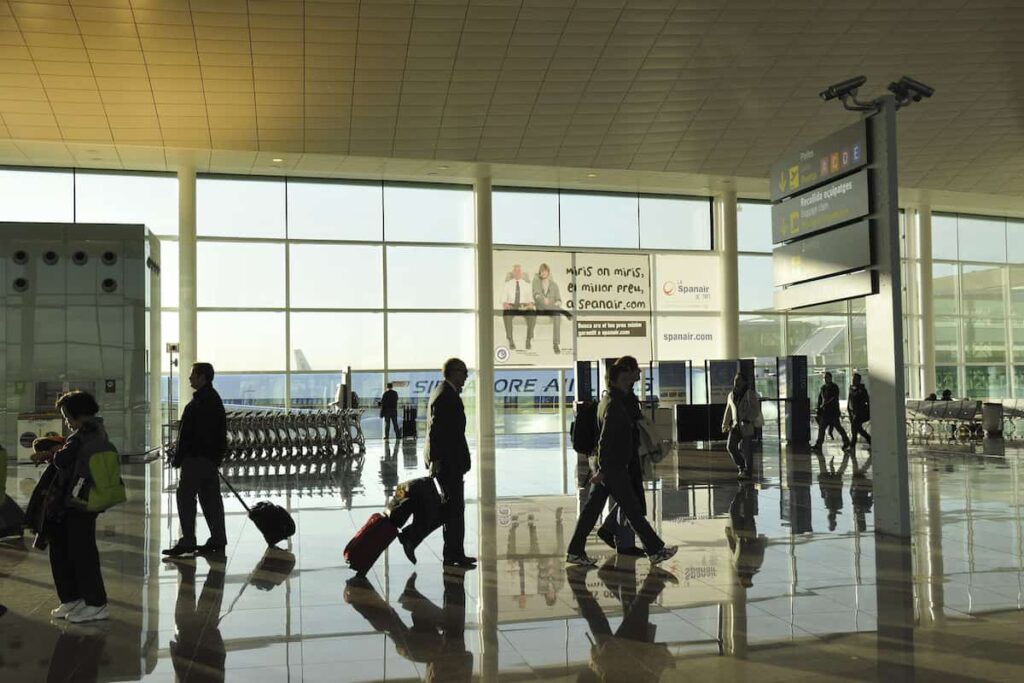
(992, 418)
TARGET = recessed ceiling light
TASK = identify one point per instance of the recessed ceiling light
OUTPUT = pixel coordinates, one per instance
(443, 167)
(591, 175)
(277, 160)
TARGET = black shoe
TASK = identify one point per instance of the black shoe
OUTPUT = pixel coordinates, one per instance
(511, 345)
(467, 558)
(460, 563)
(632, 551)
(557, 350)
(409, 552)
(180, 550)
(743, 474)
(606, 536)
(209, 549)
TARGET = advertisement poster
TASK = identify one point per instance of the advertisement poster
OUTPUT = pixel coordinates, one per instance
(687, 282)
(532, 302)
(612, 298)
(687, 337)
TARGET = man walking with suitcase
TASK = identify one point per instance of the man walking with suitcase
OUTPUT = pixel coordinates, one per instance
(447, 456)
(202, 439)
(389, 411)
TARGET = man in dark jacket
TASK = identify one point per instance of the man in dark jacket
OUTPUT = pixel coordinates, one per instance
(202, 439)
(828, 412)
(859, 406)
(447, 456)
(389, 411)
(617, 447)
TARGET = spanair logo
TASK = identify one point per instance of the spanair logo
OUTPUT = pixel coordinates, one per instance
(669, 288)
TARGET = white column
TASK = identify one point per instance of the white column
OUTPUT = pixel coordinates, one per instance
(486, 484)
(156, 349)
(926, 300)
(186, 278)
(726, 244)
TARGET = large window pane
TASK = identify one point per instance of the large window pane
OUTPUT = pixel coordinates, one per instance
(428, 213)
(336, 276)
(1014, 241)
(1017, 291)
(754, 226)
(123, 198)
(821, 338)
(944, 237)
(947, 335)
(944, 289)
(36, 196)
(599, 220)
(986, 381)
(228, 207)
(982, 239)
(525, 217)
(241, 341)
(984, 340)
(982, 291)
(169, 274)
(426, 340)
(250, 389)
(240, 274)
(1017, 332)
(335, 341)
(946, 378)
(431, 277)
(760, 336)
(859, 341)
(335, 211)
(1018, 381)
(675, 222)
(755, 283)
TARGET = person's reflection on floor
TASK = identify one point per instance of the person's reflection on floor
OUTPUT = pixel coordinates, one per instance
(745, 544)
(78, 652)
(437, 636)
(861, 492)
(389, 469)
(830, 483)
(351, 479)
(410, 460)
(197, 651)
(629, 653)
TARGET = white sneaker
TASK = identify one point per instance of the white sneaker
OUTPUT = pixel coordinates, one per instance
(89, 613)
(66, 608)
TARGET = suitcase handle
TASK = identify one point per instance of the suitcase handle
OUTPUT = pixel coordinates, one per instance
(232, 488)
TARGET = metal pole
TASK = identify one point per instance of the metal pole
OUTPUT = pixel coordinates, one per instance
(187, 319)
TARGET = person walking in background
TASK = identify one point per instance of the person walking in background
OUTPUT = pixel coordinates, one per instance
(74, 557)
(742, 417)
(518, 300)
(202, 439)
(389, 411)
(448, 459)
(618, 446)
(548, 300)
(858, 405)
(828, 412)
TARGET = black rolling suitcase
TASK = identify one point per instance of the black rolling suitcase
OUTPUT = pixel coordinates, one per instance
(409, 422)
(273, 521)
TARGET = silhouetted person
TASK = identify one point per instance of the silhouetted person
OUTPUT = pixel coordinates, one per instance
(197, 650)
(859, 407)
(947, 395)
(389, 411)
(202, 440)
(932, 397)
(828, 412)
(745, 544)
(741, 419)
(861, 492)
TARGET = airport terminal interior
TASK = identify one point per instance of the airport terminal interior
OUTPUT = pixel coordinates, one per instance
(324, 198)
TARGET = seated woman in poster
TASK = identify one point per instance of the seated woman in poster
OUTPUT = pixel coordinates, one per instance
(548, 300)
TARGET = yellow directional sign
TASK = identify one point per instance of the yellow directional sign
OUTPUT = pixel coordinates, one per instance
(794, 178)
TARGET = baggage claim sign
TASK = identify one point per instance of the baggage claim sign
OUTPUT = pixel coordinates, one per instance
(822, 245)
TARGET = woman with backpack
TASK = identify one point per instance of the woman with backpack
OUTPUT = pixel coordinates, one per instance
(71, 517)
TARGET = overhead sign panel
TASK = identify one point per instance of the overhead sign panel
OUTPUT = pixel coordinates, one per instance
(838, 288)
(840, 201)
(830, 253)
(838, 154)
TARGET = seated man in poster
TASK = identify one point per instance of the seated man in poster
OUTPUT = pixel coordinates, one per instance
(518, 300)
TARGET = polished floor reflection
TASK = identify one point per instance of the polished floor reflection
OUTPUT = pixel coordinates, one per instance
(780, 578)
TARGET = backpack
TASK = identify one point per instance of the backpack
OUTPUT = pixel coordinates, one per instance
(584, 429)
(100, 487)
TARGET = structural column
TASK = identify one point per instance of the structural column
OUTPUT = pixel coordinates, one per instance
(926, 302)
(156, 351)
(485, 468)
(726, 244)
(186, 277)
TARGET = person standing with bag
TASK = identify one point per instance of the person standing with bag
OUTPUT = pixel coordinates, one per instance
(858, 404)
(742, 417)
(828, 412)
(202, 440)
(389, 411)
(71, 520)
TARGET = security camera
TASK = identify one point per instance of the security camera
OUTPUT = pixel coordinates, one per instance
(908, 90)
(843, 88)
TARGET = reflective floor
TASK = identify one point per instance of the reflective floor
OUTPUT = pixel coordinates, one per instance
(778, 579)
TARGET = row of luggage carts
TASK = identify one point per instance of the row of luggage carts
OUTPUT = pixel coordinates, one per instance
(294, 436)
(949, 420)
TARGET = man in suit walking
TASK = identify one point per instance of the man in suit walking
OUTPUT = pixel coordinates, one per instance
(447, 456)
(389, 411)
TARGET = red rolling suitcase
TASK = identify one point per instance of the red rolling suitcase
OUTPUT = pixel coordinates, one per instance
(369, 542)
